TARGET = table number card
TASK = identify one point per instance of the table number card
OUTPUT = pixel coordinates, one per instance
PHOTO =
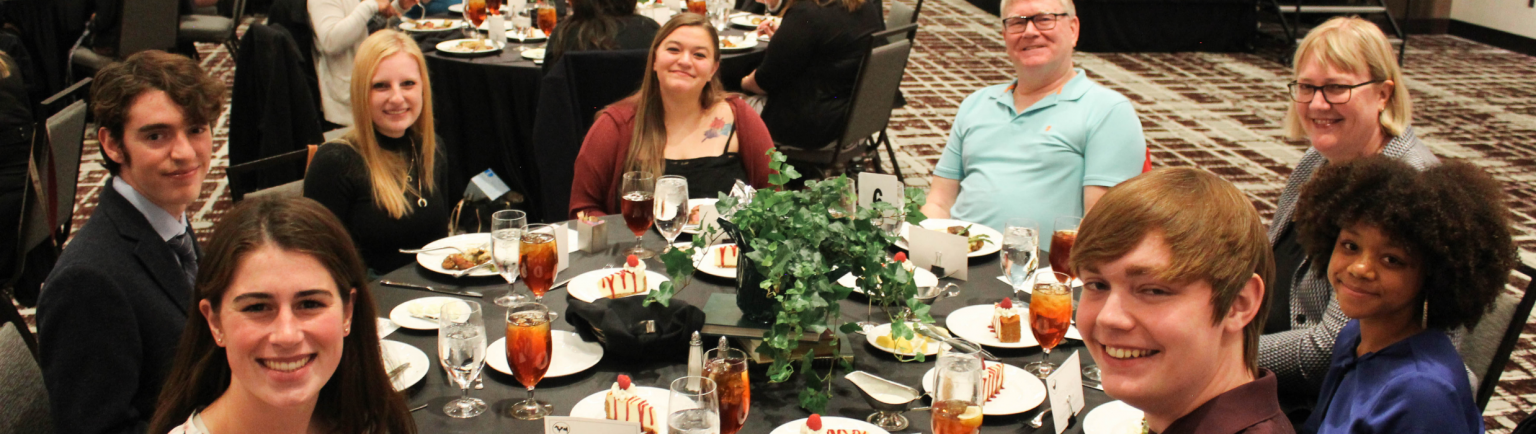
(581, 425)
(876, 187)
(926, 244)
(1065, 388)
(563, 246)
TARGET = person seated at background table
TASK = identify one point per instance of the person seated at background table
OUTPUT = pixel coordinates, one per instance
(680, 122)
(1174, 264)
(271, 344)
(340, 26)
(600, 25)
(15, 148)
(106, 23)
(809, 70)
(1349, 101)
(113, 308)
(1044, 146)
(386, 179)
(1409, 256)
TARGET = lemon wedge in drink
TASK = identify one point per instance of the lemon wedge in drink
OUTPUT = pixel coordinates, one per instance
(972, 417)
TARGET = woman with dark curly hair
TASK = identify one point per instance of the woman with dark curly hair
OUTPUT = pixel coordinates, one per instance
(1409, 255)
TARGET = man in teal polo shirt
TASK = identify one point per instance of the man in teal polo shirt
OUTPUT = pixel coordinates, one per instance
(1055, 158)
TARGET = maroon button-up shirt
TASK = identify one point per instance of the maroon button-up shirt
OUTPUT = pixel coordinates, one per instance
(1251, 408)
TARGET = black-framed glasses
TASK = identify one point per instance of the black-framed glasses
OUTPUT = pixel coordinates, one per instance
(1043, 21)
(1333, 93)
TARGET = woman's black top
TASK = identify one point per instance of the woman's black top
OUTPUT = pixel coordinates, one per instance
(710, 176)
(810, 67)
(338, 179)
(632, 32)
(1288, 258)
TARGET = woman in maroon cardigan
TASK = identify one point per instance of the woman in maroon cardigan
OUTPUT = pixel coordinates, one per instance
(681, 122)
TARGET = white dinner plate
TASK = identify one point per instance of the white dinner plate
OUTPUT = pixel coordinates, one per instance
(988, 248)
(1115, 417)
(455, 47)
(1021, 391)
(695, 228)
(592, 406)
(750, 21)
(394, 353)
(707, 264)
(570, 354)
(402, 314)
(737, 43)
(974, 323)
(433, 260)
(536, 54)
(431, 25)
(829, 423)
(459, 8)
(932, 349)
(586, 287)
(532, 34)
(920, 276)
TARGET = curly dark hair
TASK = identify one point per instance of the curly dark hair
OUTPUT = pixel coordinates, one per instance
(1452, 218)
(118, 85)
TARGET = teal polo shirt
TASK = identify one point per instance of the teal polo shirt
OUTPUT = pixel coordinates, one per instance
(1035, 163)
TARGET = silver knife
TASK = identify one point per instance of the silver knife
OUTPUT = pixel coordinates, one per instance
(558, 285)
(428, 288)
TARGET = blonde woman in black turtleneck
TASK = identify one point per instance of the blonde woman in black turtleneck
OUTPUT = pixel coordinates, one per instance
(386, 179)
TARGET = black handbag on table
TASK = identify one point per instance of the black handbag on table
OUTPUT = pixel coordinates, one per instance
(626, 326)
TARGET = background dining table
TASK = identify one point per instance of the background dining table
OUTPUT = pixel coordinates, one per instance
(772, 404)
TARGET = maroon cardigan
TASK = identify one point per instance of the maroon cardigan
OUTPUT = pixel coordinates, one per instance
(600, 165)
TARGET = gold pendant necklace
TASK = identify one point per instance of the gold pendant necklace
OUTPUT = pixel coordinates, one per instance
(421, 201)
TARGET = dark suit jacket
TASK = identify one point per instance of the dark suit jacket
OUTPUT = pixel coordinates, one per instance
(108, 320)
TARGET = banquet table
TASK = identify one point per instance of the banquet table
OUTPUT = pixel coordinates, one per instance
(772, 404)
(485, 105)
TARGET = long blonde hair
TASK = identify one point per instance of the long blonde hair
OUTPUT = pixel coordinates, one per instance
(649, 139)
(1354, 44)
(387, 171)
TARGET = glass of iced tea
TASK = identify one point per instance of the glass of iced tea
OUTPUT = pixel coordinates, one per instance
(1061, 246)
(958, 392)
(700, 7)
(728, 369)
(545, 17)
(475, 11)
(1050, 314)
(638, 207)
(529, 351)
(539, 260)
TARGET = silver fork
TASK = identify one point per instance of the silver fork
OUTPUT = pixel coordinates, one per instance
(413, 251)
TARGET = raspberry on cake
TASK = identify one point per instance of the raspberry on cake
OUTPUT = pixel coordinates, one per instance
(621, 404)
(1006, 322)
(812, 425)
(725, 256)
(992, 383)
(626, 282)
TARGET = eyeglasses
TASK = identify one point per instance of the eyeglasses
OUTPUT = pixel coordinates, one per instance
(1333, 93)
(1043, 21)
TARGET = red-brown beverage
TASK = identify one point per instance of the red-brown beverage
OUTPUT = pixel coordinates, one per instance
(698, 7)
(476, 11)
(953, 416)
(1050, 313)
(637, 210)
(538, 261)
(528, 346)
(1061, 252)
(730, 376)
(547, 19)
(493, 5)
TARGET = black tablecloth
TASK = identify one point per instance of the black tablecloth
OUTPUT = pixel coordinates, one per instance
(485, 105)
(772, 404)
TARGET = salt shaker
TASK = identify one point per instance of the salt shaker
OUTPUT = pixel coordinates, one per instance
(695, 361)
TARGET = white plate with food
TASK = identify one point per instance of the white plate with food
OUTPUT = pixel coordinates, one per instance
(974, 323)
(921, 276)
(478, 244)
(534, 54)
(468, 46)
(588, 287)
(1114, 417)
(750, 21)
(695, 214)
(419, 314)
(531, 34)
(1021, 391)
(830, 423)
(459, 8)
(591, 407)
(984, 240)
(570, 354)
(394, 353)
(710, 263)
(879, 336)
(431, 25)
(737, 43)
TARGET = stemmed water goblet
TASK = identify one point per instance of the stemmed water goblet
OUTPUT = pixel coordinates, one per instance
(461, 349)
(694, 406)
(1021, 252)
(671, 209)
(506, 235)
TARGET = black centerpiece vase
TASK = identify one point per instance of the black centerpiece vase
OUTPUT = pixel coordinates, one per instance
(756, 304)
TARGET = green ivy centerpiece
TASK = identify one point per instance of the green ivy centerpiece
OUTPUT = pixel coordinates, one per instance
(795, 244)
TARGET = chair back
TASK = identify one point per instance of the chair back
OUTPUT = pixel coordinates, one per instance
(271, 111)
(902, 15)
(57, 158)
(23, 397)
(1486, 348)
(579, 86)
(148, 25)
(875, 91)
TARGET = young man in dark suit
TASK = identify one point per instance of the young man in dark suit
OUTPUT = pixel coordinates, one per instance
(112, 311)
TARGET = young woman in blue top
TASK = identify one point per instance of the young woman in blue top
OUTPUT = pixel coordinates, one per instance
(1410, 255)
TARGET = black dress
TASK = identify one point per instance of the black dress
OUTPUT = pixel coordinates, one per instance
(810, 68)
(710, 176)
(634, 32)
(15, 146)
(338, 179)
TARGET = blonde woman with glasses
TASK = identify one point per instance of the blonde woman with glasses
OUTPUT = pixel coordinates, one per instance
(1349, 101)
(387, 180)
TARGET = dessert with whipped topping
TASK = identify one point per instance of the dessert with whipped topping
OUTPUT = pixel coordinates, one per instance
(622, 404)
(1006, 322)
(626, 282)
(725, 256)
(992, 383)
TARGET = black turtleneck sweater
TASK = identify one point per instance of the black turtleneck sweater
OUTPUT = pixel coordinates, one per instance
(338, 179)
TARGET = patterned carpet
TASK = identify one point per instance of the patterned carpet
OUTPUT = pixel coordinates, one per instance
(1217, 111)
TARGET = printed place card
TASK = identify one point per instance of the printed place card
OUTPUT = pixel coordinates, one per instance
(1065, 388)
(563, 246)
(929, 248)
(581, 425)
